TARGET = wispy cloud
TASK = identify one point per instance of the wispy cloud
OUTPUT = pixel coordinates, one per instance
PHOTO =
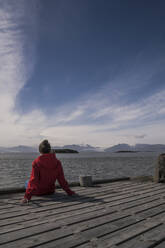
(110, 125)
(15, 69)
(120, 111)
(108, 117)
(140, 136)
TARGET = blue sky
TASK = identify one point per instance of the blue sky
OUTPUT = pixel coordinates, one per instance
(82, 71)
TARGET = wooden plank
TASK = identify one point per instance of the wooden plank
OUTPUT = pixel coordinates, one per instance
(78, 189)
(125, 187)
(146, 240)
(161, 245)
(98, 190)
(44, 234)
(92, 190)
(139, 193)
(136, 243)
(95, 232)
(155, 235)
(10, 215)
(10, 190)
(79, 203)
(87, 221)
(75, 240)
(114, 185)
(123, 202)
(43, 215)
(68, 221)
(49, 202)
(23, 225)
(140, 202)
(131, 232)
(90, 234)
(45, 229)
(145, 207)
(95, 242)
(80, 217)
(73, 202)
(160, 216)
(89, 198)
(152, 212)
(68, 208)
(53, 213)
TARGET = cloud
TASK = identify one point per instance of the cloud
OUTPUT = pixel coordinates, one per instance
(15, 69)
(140, 136)
(113, 114)
(105, 123)
(86, 134)
(68, 117)
(106, 110)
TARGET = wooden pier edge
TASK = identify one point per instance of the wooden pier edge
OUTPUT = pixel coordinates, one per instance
(74, 184)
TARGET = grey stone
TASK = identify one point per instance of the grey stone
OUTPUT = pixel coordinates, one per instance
(160, 169)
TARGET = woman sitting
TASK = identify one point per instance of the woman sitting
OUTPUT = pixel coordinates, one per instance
(45, 170)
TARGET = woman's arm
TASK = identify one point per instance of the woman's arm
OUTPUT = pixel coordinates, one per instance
(62, 181)
(33, 182)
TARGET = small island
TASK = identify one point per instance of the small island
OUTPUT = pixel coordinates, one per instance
(126, 151)
(64, 151)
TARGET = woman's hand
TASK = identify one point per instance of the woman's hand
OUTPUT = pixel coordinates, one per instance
(24, 201)
(71, 193)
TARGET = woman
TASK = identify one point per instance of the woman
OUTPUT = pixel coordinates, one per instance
(45, 170)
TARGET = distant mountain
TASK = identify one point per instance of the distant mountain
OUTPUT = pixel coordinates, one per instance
(150, 148)
(30, 149)
(137, 147)
(80, 148)
(119, 147)
(2, 149)
(18, 149)
(88, 148)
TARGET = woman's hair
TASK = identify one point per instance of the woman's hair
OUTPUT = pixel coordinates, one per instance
(44, 147)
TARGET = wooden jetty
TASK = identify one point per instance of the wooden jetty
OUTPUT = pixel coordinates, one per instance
(120, 214)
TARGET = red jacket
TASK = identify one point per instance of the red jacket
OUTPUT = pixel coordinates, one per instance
(45, 170)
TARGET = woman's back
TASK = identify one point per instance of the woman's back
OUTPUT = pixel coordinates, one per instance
(45, 170)
(48, 167)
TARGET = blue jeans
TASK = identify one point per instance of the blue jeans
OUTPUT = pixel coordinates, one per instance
(26, 184)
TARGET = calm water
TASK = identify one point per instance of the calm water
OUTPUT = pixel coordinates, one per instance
(15, 168)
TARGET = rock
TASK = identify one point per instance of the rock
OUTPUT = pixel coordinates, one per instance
(85, 181)
(160, 169)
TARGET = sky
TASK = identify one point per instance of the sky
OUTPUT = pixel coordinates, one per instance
(82, 72)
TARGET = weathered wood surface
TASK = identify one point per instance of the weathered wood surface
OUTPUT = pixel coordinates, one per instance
(123, 214)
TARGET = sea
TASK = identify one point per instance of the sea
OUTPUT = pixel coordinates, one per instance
(15, 168)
